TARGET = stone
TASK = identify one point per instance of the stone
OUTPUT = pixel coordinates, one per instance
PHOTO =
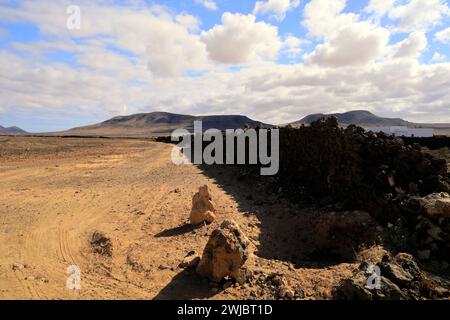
(276, 280)
(299, 293)
(436, 204)
(202, 207)
(17, 266)
(286, 292)
(290, 294)
(396, 273)
(355, 288)
(225, 253)
(101, 244)
(408, 263)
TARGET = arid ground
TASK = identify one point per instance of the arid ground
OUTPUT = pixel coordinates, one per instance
(55, 192)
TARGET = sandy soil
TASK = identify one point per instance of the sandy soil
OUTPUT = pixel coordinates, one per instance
(55, 193)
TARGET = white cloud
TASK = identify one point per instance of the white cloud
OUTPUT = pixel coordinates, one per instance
(380, 7)
(171, 50)
(208, 4)
(357, 44)
(437, 57)
(419, 14)
(190, 22)
(324, 18)
(412, 46)
(135, 56)
(275, 8)
(240, 39)
(443, 36)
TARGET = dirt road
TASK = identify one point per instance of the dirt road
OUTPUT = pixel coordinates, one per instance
(55, 193)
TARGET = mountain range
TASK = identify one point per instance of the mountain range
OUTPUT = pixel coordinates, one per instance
(11, 131)
(359, 117)
(160, 124)
(164, 123)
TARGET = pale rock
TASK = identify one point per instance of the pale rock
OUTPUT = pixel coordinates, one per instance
(225, 253)
(202, 207)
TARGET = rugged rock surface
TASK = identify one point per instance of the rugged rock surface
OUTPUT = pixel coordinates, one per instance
(273, 285)
(202, 207)
(225, 253)
(101, 244)
(399, 278)
(430, 216)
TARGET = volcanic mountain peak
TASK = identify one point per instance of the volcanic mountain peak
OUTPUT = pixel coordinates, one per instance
(12, 130)
(161, 123)
(357, 117)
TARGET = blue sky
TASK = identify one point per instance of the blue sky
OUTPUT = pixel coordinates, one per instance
(272, 60)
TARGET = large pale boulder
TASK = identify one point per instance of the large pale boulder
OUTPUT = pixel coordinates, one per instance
(202, 207)
(225, 253)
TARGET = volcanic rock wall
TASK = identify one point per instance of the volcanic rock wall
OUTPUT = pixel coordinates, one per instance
(374, 172)
(355, 167)
(360, 170)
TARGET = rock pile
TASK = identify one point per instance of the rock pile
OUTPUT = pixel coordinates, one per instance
(225, 253)
(398, 278)
(355, 167)
(274, 286)
(430, 216)
(202, 207)
(101, 244)
(373, 172)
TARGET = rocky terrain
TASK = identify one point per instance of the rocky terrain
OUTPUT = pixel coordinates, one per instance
(122, 213)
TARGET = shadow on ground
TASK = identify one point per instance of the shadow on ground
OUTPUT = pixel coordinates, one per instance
(185, 228)
(186, 286)
(285, 227)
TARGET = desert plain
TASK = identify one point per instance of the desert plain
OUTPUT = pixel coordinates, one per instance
(55, 193)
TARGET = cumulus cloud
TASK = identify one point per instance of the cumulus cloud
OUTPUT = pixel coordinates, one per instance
(170, 51)
(419, 14)
(356, 44)
(240, 39)
(443, 36)
(324, 18)
(190, 22)
(412, 46)
(135, 56)
(275, 8)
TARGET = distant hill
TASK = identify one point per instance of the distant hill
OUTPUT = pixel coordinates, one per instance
(159, 124)
(12, 131)
(359, 117)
